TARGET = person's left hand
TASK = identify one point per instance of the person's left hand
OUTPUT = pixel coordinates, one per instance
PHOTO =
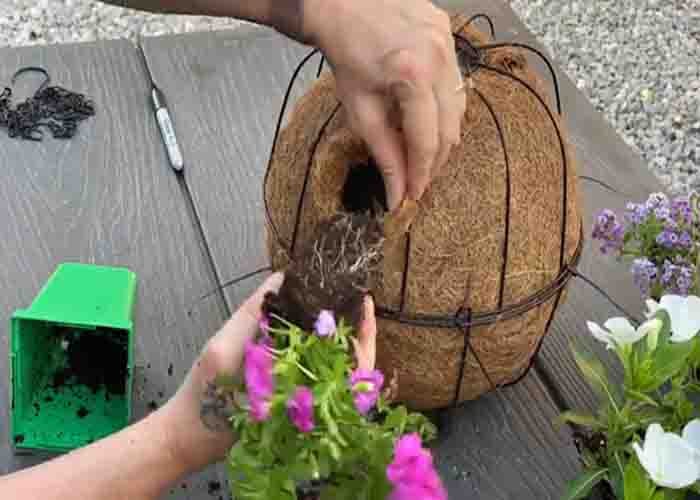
(196, 445)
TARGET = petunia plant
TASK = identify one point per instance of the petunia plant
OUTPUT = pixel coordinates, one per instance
(314, 421)
(643, 442)
(660, 239)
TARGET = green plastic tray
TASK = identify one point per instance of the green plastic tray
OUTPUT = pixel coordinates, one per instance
(71, 359)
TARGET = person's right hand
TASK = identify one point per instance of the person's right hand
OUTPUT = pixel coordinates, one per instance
(397, 75)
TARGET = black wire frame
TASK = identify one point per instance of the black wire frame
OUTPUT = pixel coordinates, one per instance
(465, 319)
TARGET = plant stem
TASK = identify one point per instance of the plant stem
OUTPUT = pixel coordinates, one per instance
(306, 372)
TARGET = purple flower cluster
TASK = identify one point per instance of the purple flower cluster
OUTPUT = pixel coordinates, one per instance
(325, 324)
(674, 238)
(300, 409)
(366, 386)
(259, 380)
(636, 213)
(677, 278)
(645, 273)
(681, 211)
(412, 473)
(609, 231)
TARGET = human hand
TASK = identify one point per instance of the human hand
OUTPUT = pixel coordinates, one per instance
(397, 75)
(200, 438)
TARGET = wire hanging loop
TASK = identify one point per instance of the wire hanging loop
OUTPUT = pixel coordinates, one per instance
(32, 69)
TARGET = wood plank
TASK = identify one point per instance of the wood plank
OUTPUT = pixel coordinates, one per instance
(603, 155)
(224, 92)
(504, 446)
(107, 196)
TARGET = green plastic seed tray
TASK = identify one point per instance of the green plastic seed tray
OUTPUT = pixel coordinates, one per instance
(71, 359)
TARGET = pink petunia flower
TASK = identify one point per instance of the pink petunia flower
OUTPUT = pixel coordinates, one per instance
(365, 386)
(264, 324)
(412, 474)
(259, 380)
(325, 324)
(300, 409)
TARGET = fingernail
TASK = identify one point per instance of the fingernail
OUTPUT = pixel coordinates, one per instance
(369, 306)
(275, 280)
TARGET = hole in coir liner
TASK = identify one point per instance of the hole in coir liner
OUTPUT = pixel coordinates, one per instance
(364, 189)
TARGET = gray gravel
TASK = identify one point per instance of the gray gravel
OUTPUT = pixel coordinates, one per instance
(637, 60)
(639, 63)
(31, 22)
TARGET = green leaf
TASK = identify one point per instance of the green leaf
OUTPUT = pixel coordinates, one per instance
(396, 420)
(638, 486)
(669, 360)
(666, 494)
(616, 475)
(665, 332)
(570, 417)
(594, 372)
(639, 396)
(581, 487)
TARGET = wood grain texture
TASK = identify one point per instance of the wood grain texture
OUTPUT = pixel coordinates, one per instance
(600, 154)
(224, 92)
(108, 197)
(504, 446)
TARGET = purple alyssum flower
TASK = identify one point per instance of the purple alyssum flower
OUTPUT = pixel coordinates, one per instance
(685, 240)
(325, 324)
(412, 473)
(677, 278)
(609, 231)
(681, 211)
(668, 238)
(645, 273)
(636, 213)
(365, 386)
(657, 200)
(300, 409)
(662, 214)
(259, 380)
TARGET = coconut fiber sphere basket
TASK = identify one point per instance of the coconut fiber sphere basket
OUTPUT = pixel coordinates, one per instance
(466, 294)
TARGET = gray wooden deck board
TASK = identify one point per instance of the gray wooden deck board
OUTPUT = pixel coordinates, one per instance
(224, 92)
(107, 196)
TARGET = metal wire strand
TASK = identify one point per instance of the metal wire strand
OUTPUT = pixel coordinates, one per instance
(278, 128)
(506, 229)
(476, 17)
(577, 274)
(552, 72)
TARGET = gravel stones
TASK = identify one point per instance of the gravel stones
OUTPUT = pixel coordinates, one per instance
(638, 62)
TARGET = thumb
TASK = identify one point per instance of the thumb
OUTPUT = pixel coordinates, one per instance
(229, 343)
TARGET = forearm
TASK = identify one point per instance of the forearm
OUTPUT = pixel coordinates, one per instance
(286, 16)
(137, 463)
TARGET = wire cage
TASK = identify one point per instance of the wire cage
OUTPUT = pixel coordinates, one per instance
(467, 295)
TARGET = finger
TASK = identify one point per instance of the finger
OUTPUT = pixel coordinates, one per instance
(451, 107)
(370, 120)
(368, 331)
(229, 343)
(419, 120)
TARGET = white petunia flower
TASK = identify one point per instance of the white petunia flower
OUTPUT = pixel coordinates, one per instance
(652, 307)
(691, 435)
(668, 459)
(620, 332)
(685, 316)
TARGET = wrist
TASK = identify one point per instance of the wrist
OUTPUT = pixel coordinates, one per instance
(298, 19)
(190, 442)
